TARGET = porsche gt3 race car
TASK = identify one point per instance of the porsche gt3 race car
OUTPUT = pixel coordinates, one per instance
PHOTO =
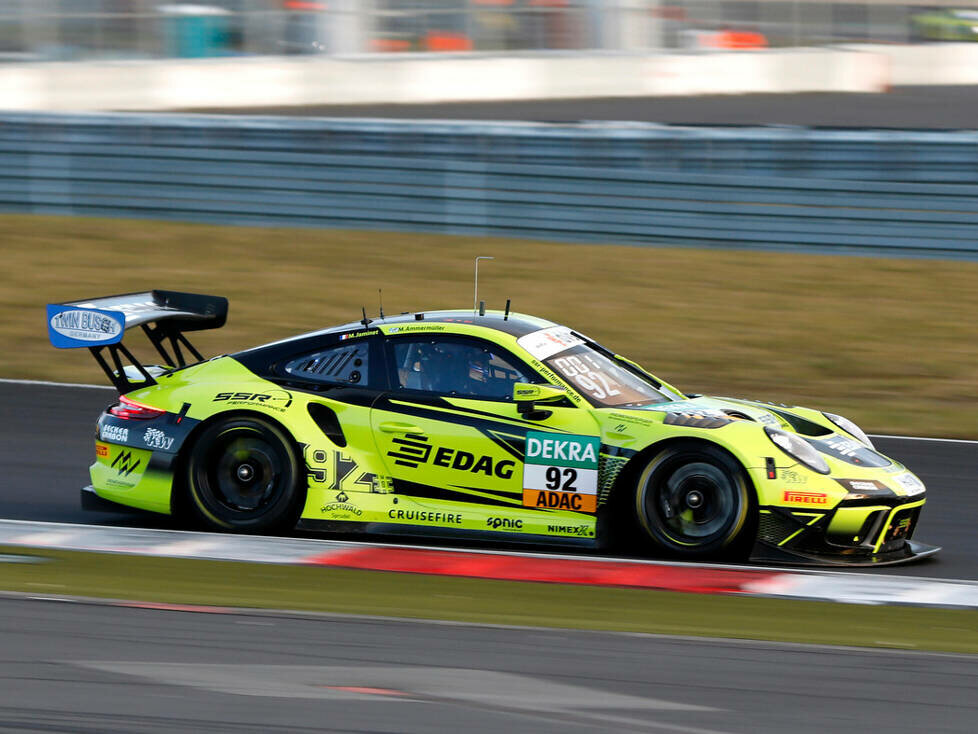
(492, 424)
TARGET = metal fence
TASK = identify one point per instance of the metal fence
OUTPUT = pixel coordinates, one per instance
(883, 193)
(42, 30)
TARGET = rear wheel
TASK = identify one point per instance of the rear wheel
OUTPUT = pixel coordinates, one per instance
(243, 475)
(694, 500)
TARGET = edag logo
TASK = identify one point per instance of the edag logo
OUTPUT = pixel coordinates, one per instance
(414, 450)
(274, 399)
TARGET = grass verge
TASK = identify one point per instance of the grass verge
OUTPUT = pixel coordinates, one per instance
(890, 343)
(346, 591)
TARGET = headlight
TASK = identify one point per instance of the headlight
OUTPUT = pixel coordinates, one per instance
(911, 485)
(849, 427)
(797, 448)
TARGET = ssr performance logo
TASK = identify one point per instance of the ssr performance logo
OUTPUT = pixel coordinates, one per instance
(272, 399)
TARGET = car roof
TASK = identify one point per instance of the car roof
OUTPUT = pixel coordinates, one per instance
(514, 324)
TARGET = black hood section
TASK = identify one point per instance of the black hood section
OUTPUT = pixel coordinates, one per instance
(849, 451)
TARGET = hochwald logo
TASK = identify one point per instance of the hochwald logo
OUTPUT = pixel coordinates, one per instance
(805, 498)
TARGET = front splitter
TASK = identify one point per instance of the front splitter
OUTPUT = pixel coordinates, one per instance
(910, 552)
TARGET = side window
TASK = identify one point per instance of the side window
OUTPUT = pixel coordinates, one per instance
(343, 363)
(466, 368)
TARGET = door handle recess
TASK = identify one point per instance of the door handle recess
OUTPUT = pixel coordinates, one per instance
(392, 427)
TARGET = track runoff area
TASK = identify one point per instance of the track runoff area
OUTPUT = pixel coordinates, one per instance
(838, 586)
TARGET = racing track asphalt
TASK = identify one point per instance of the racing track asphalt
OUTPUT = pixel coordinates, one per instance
(919, 107)
(70, 667)
(46, 445)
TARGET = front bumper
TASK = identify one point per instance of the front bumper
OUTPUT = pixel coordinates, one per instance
(856, 533)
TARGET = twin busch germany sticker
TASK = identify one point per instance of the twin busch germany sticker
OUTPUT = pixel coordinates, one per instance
(560, 471)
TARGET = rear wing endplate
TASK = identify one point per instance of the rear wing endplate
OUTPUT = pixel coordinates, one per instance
(100, 323)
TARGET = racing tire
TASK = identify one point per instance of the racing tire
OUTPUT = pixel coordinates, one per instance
(243, 475)
(695, 501)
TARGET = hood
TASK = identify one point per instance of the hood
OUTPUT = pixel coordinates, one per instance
(822, 434)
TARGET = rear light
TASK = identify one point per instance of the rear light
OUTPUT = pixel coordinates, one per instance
(131, 410)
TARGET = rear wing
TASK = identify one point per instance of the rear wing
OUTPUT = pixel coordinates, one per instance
(100, 323)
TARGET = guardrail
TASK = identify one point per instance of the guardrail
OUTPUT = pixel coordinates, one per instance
(875, 193)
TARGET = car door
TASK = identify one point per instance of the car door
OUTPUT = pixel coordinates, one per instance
(455, 444)
(338, 379)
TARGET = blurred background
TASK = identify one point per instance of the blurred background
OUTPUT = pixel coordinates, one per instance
(706, 133)
(60, 30)
(769, 199)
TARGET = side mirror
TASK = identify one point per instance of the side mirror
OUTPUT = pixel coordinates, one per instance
(526, 397)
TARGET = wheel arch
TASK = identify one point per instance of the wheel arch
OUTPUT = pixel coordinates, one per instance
(637, 462)
(611, 513)
(179, 499)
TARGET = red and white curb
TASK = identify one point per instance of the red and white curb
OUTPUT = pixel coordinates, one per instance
(852, 588)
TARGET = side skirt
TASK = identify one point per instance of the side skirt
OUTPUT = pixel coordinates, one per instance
(422, 531)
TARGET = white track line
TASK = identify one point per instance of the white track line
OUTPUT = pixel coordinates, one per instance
(315, 544)
(923, 438)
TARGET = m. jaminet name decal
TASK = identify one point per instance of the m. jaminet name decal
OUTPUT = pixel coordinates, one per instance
(413, 450)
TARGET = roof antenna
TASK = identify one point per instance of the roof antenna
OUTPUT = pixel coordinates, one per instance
(365, 321)
(380, 297)
(506, 315)
(482, 308)
(475, 299)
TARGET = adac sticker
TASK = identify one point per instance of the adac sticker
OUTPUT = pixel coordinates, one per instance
(561, 471)
(70, 327)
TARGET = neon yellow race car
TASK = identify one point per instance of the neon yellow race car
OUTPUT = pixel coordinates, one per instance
(492, 424)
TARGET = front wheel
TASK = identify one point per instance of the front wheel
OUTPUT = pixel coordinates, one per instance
(695, 501)
(243, 475)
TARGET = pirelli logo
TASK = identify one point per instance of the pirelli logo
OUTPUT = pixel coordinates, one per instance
(805, 498)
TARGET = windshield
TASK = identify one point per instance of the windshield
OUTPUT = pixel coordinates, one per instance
(603, 381)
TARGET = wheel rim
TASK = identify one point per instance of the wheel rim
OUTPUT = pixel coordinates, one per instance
(694, 505)
(242, 471)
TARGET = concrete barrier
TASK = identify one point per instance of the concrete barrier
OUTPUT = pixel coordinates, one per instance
(928, 63)
(257, 81)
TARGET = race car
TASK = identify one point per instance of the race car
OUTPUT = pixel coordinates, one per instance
(473, 423)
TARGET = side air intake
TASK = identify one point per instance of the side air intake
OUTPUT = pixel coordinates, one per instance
(328, 423)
